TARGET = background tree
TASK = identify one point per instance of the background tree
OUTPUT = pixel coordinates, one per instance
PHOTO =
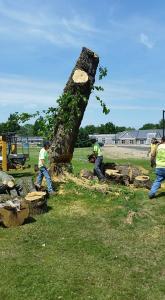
(26, 130)
(150, 126)
(83, 139)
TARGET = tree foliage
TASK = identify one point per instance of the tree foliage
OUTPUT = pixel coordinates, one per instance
(153, 126)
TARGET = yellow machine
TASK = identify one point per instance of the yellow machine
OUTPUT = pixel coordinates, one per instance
(3, 151)
(9, 158)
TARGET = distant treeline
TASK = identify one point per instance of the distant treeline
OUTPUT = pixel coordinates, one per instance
(37, 129)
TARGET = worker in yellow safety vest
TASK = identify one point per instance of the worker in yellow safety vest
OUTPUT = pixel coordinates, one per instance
(99, 160)
(160, 168)
(152, 151)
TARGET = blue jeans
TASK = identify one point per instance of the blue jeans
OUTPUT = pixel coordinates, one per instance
(160, 176)
(43, 172)
(97, 167)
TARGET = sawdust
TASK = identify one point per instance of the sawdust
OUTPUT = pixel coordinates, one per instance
(62, 191)
(59, 178)
(163, 185)
(85, 183)
(115, 151)
(130, 216)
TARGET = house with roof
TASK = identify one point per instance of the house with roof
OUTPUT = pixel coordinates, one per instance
(131, 137)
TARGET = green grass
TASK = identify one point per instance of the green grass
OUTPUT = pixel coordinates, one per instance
(84, 249)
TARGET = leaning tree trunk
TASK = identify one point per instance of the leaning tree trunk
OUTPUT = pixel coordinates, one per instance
(72, 107)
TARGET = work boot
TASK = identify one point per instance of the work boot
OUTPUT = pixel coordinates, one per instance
(52, 193)
(37, 186)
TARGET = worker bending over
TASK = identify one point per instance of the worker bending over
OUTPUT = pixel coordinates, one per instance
(99, 160)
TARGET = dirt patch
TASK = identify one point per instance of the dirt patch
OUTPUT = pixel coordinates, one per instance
(124, 152)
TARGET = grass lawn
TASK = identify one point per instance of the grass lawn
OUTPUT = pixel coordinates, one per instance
(84, 248)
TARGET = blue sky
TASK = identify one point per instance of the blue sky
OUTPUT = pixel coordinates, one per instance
(41, 40)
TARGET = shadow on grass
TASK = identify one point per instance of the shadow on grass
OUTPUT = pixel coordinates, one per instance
(49, 208)
(29, 220)
(162, 194)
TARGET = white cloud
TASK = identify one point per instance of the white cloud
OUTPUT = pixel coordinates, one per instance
(21, 93)
(28, 93)
(144, 39)
(30, 24)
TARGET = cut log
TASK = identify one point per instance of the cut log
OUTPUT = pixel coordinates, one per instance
(6, 179)
(4, 189)
(116, 177)
(79, 87)
(26, 184)
(142, 182)
(111, 172)
(11, 216)
(4, 198)
(37, 202)
(130, 171)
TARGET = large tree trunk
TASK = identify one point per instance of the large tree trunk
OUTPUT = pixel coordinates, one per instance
(79, 86)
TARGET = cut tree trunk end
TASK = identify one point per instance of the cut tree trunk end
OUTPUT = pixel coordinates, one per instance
(79, 85)
(11, 216)
(116, 177)
(37, 203)
(142, 182)
(7, 179)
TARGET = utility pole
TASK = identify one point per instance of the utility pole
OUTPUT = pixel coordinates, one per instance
(163, 124)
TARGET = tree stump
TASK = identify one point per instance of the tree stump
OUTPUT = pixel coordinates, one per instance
(142, 182)
(130, 171)
(37, 202)
(116, 177)
(11, 216)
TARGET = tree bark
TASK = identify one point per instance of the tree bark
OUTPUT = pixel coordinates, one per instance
(6, 179)
(79, 86)
(10, 216)
(26, 184)
(37, 203)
